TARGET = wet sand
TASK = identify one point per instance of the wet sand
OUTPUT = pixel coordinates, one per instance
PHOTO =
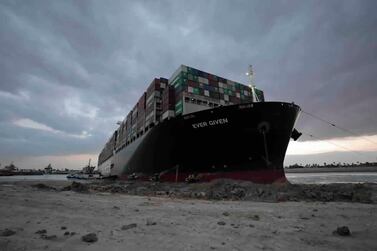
(166, 222)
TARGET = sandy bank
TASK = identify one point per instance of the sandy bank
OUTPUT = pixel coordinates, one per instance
(171, 223)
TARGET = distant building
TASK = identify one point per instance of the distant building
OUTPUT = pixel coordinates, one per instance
(11, 167)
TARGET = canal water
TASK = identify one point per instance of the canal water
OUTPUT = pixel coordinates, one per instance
(298, 178)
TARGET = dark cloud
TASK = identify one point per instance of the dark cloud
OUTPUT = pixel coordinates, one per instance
(79, 66)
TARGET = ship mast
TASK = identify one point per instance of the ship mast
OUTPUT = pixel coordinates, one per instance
(250, 75)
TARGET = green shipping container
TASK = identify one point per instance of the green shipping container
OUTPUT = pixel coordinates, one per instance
(180, 81)
(179, 107)
(192, 71)
(259, 94)
(179, 103)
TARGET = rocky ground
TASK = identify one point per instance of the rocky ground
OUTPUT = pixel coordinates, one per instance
(221, 215)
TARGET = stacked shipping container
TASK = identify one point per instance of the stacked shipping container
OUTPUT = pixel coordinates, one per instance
(154, 95)
(140, 121)
(188, 90)
(206, 90)
(168, 102)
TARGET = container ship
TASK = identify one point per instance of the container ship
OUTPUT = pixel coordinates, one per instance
(197, 126)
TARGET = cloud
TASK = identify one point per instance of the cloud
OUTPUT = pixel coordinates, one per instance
(346, 144)
(77, 66)
(28, 123)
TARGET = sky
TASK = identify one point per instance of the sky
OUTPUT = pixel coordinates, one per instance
(69, 70)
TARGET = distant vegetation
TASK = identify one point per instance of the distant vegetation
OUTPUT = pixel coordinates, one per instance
(334, 165)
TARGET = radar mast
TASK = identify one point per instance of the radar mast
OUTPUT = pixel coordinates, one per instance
(250, 75)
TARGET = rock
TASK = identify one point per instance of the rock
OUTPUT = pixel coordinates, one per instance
(129, 226)
(7, 232)
(43, 186)
(282, 197)
(79, 187)
(42, 231)
(361, 196)
(151, 223)
(342, 231)
(66, 233)
(327, 196)
(117, 189)
(63, 228)
(226, 214)
(66, 188)
(221, 223)
(91, 237)
(238, 192)
(260, 192)
(141, 191)
(115, 207)
(346, 195)
(49, 237)
(254, 217)
(73, 233)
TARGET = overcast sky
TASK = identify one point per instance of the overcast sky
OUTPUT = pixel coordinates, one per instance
(69, 70)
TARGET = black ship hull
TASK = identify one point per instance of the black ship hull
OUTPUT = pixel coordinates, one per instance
(245, 141)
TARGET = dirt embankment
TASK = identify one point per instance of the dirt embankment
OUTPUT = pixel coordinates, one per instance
(234, 190)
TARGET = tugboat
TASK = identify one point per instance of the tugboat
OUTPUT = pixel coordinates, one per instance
(86, 173)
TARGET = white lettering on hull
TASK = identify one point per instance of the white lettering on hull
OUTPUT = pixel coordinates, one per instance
(210, 123)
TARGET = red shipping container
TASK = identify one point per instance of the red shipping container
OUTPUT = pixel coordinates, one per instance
(193, 84)
(213, 83)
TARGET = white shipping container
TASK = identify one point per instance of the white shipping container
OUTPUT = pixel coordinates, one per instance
(190, 89)
(238, 95)
(168, 114)
(230, 82)
(222, 102)
(226, 97)
(221, 90)
(184, 68)
(163, 85)
(150, 115)
(150, 98)
(206, 93)
(246, 93)
(203, 80)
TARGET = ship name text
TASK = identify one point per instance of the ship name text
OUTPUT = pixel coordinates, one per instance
(210, 123)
